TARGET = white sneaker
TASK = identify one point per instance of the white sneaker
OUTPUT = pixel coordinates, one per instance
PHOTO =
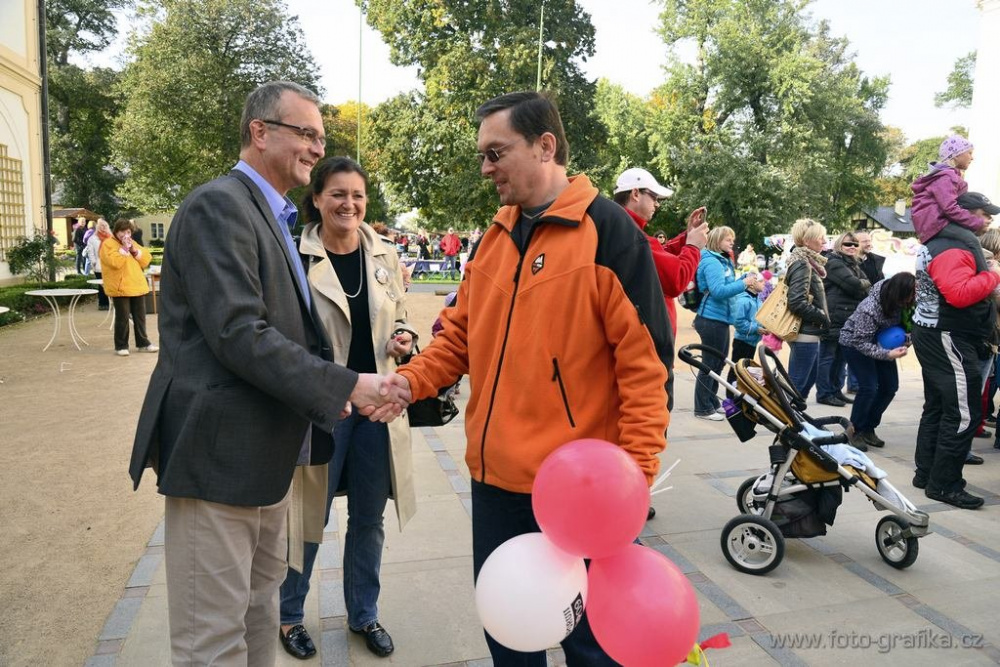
(720, 410)
(712, 417)
(121, 353)
(149, 348)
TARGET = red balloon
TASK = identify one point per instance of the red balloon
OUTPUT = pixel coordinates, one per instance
(642, 609)
(590, 498)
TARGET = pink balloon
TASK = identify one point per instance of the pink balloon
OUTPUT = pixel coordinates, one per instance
(642, 609)
(590, 498)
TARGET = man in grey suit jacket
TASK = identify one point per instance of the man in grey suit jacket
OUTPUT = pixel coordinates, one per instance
(244, 387)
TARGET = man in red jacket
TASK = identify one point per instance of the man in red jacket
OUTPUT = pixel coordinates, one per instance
(450, 247)
(676, 260)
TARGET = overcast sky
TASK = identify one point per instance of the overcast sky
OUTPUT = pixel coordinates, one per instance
(915, 42)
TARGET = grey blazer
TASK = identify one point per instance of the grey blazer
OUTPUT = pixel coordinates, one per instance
(243, 365)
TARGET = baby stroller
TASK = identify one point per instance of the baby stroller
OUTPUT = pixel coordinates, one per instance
(810, 468)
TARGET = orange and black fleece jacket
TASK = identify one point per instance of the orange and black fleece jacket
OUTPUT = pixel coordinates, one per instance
(565, 340)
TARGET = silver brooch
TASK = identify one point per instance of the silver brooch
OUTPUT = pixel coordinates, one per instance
(381, 275)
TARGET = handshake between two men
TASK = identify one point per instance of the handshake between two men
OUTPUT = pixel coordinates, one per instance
(381, 398)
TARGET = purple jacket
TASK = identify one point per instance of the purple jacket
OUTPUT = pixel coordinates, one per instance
(935, 202)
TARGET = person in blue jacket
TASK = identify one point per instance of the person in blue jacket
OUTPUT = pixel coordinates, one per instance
(746, 331)
(716, 277)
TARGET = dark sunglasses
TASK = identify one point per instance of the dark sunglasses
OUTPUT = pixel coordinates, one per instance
(493, 154)
(849, 244)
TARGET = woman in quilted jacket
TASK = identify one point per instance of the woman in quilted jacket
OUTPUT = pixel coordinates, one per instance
(846, 285)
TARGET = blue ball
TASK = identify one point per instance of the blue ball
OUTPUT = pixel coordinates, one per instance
(892, 337)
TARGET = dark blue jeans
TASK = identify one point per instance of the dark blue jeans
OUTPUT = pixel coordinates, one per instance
(803, 360)
(714, 334)
(878, 382)
(831, 369)
(369, 483)
(497, 516)
(449, 265)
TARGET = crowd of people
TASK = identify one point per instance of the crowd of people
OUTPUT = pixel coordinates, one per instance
(287, 365)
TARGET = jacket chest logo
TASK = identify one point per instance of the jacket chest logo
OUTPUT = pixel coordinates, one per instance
(538, 264)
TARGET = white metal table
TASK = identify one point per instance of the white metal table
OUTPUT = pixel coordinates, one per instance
(51, 296)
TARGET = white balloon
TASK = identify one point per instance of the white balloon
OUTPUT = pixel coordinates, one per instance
(530, 594)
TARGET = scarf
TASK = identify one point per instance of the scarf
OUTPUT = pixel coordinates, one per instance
(804, 254)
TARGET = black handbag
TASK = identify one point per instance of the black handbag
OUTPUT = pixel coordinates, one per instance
(436, 410)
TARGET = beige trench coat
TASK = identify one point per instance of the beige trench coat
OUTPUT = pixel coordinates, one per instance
(387, 309)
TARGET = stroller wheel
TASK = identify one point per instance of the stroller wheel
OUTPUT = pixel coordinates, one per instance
(896, 550)
(744, 497)
(753, 544)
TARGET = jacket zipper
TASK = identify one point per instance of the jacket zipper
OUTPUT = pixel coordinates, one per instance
(503, 352)
(557, 377)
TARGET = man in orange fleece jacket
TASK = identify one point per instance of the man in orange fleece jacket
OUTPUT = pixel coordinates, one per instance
(560, 325)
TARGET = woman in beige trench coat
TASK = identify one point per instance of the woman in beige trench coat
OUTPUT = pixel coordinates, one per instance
(356, 285)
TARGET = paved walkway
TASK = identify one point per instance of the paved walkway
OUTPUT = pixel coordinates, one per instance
(832, 601)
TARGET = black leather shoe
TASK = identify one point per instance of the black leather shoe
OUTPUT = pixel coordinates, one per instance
(651, 513)
(973, 460)
(297, 642)
(985, 433)
(919, 481)
(845, 399)
(377, 639)
(831, 400)
(871, 439)
(960, 499)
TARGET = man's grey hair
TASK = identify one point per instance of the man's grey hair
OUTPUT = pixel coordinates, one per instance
(264, 103)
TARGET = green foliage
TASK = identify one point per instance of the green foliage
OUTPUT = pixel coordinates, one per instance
(32, 257)
(82, 106)
(624, 118)
(83, 112)
(958, 94)
(772, 121)
(423, 144)
(193, 64)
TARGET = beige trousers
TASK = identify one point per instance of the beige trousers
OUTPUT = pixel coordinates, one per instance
(225, 564)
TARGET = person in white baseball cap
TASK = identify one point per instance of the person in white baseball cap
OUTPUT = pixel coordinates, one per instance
(677, 259)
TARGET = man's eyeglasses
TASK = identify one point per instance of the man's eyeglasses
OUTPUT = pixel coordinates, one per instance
(655, 198)
(307, 134)
(493, 154)
(849, 244)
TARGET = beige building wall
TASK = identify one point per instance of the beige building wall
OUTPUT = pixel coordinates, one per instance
(22, 199)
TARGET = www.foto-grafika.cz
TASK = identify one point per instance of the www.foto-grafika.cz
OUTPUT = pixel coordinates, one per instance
(882, 642)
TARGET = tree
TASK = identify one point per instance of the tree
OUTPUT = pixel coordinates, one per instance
(193, 64)
(958, 94)
(32, 257)
(341, 125)
(623, 117)
(770, 122)
(424, 143)
(82, 106)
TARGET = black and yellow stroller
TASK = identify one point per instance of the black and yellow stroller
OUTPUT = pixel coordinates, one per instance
(811, 467)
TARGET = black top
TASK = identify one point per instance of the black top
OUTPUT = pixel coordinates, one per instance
(529, 217)
(350, 270)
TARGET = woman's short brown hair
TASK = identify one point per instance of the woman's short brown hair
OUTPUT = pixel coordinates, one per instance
(122, 225)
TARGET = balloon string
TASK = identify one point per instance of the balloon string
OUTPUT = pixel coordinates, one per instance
(666, 488)
(662, 478)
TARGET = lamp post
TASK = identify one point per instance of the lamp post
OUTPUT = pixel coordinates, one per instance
(541, 26)
(361, 26)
